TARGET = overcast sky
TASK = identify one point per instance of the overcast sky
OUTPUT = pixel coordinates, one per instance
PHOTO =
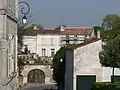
(82, 13)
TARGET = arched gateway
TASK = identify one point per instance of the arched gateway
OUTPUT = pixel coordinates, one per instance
(36, 76)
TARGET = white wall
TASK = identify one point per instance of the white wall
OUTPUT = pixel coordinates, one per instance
(2, 26)
(11, 31)
(39, 42)
(11, 8)
(31, 42)
(86, 61)
(107, 72)
(2, 4)
(9, 53)
(48, 42)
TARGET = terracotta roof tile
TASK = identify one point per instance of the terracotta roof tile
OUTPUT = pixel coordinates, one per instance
(76, 31)
(41, 32)
(68, 31)
(50, 32)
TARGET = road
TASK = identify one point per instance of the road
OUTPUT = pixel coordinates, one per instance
(39, 87)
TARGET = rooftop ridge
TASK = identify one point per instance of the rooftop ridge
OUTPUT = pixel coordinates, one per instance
(92, 40)
(77, 27)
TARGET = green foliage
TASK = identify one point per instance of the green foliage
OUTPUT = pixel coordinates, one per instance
(20, 64)
(110, 27)
(20, 32)
(38, 61)
(111, 21)
(107, 35)
(37, 25)
(22, 29)
(110, 55)
(106, 86)
(56, 62)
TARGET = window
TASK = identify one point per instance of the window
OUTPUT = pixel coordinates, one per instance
(52, 52)
(43, 52)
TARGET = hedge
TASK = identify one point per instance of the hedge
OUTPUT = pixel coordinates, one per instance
(106, 86)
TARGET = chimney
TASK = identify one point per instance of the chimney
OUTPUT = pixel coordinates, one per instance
(62, 28)
(98, 34)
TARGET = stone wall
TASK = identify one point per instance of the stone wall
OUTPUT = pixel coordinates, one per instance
(45, 68)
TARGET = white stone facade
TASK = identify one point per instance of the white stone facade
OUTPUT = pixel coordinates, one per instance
(31, 42)
(47, 42)
(8, 44)
(86, 62)
(43, 45)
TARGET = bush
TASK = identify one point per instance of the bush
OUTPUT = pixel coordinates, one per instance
(106, 86)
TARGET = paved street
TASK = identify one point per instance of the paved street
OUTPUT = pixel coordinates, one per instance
(39, 87)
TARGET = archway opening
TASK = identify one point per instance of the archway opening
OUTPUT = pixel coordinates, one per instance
(36, 76)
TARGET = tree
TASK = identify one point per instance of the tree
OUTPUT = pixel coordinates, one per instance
(56, 63)
(110, 27)
(22, 29)
(36, 25)
(20, 64)
(107, 35)
(110, 55)
(111, 22)
(20, 32)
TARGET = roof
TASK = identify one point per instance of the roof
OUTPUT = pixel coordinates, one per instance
(76, 31)
(68, 31)
(49, 32)
(32, 32)
(92, 40)
(41, 32)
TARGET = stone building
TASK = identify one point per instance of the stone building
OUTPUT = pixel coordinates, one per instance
(46, 43)
(8, 44)
(83, 68)
(75, 35)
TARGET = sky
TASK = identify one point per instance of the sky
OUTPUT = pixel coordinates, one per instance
(80, 13)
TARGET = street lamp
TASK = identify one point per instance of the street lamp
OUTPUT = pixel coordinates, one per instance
(24, 19)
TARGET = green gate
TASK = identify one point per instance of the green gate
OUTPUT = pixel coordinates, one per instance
(84, 82)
